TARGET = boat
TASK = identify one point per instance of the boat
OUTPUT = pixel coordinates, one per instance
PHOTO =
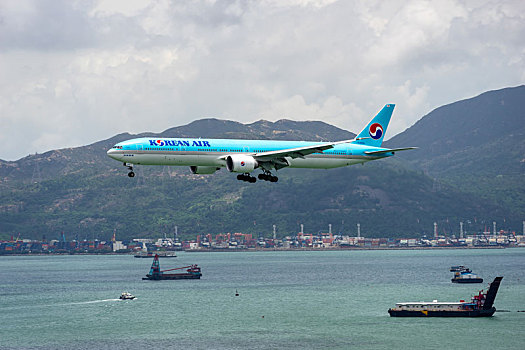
(126, 296)
(151, 255)
(466, 276)
(155, 273)
(457, 268)
(481, 305)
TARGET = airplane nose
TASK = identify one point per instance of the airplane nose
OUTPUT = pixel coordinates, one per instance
(112, 153)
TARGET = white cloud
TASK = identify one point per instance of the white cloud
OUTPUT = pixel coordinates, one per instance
(77, 72)
(128, 8)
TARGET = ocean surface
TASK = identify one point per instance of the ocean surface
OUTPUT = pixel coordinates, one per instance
(287, 300)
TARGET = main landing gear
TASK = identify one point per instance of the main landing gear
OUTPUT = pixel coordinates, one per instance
(130, 168)
(246, 177)
(267, 176)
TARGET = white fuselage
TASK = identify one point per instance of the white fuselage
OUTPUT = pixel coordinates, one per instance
(213, 152)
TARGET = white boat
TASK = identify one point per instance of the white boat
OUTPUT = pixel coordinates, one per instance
(127, 296)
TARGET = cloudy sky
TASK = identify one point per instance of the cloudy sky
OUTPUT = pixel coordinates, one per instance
(75, 72)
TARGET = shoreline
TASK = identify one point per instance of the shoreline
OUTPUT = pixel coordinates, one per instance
(270, 250)
(336, 249)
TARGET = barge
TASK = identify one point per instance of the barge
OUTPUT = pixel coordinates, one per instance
(155, 273)
(481, 305)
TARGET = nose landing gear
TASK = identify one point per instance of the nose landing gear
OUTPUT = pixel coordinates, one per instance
(130, 168)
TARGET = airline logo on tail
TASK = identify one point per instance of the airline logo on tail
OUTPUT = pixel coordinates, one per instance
(375, 131)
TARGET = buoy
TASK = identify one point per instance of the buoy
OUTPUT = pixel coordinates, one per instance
(236, 293)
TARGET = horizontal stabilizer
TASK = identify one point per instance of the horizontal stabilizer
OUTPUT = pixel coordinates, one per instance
(388, 151)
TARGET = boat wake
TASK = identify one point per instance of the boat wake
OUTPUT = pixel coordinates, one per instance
(58, 304)
(92, 301)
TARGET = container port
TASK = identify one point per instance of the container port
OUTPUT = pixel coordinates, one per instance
(166, 247)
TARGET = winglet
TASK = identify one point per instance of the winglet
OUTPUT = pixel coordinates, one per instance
(374, 132)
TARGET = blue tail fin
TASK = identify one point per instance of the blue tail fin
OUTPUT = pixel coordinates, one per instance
(374, 132)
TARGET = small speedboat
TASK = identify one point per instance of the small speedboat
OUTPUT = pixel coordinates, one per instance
(126, 296)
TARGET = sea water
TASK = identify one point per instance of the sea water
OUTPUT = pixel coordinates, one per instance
(287, 300)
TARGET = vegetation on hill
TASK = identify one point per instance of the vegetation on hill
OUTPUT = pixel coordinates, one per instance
(476, 145)
(465, 170)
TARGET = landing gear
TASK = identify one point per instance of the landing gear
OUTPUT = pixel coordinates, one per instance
(267, 176)
(246, 177)
(130, 168)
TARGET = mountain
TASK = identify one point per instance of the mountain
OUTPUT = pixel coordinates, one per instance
(477, 145)
(386, 199)
(260, 130)
(85, 194)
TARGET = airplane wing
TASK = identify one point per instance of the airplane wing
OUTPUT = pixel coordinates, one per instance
(372, 153)
(277, 158)
(298, 152)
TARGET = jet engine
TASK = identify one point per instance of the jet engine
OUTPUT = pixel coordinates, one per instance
(241, 163)
(203, 169)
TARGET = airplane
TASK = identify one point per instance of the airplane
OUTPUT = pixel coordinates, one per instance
(206, 156)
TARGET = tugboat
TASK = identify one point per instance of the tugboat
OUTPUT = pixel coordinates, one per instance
(481, 305)
(192, 272)
(466, 275)
(126, 296)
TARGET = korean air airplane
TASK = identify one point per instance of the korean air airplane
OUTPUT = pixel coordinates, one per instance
(206, 156)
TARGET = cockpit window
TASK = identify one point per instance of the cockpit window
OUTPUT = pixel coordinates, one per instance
(117, 147)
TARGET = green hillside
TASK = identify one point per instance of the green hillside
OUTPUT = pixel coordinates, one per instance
(386, 200)
(476, 145)
(86, 194)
